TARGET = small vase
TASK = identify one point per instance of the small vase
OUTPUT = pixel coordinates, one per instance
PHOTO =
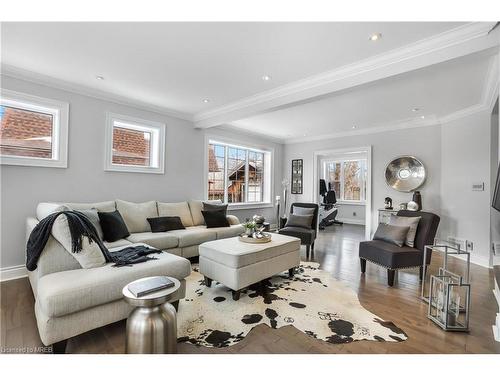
(249, 232)
(417, 198)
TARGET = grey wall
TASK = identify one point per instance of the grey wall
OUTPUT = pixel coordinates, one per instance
(465, 213)
(85, 179)
(424, 143)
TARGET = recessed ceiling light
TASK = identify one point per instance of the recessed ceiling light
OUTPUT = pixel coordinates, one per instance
(206, 100)
(354, 126)
(376, 36)
(100, 78)
(304, 135)
(415, 109)
(422, 117)
(266, 78)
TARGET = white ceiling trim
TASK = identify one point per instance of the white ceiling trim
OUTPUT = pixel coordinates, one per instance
(391, 126)
(25, 75)
(461, 41)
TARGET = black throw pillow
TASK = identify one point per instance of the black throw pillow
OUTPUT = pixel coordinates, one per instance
(302, 221)
(215, 207)
(215, 219)
(165, 223)
(113, 226)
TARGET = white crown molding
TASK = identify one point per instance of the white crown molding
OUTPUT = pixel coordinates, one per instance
(387, 127)
(491, 86)
(244, 133)
(13, 272)
(461, 41)
(41, 79)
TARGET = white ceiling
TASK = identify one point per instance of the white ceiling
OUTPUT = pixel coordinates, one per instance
(437, 91)
(176, 65)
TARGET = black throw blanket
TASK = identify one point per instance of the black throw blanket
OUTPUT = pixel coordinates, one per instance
(79, 226)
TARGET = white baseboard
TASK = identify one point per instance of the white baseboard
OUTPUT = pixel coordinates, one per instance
(13, 272)
(474, 258)
(351, 221)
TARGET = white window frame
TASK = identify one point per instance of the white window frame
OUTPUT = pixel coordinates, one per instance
(157, 130)
(340, 197)
(60, 112)
(268, 172)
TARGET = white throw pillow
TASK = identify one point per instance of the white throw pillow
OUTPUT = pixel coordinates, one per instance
(404, 221)
(136, 215)
(89, 257)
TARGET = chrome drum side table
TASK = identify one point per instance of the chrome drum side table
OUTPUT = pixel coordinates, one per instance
(152, 325)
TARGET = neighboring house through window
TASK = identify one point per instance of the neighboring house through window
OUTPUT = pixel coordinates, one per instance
(134, 145)
(347, 178)
(34, 130)
(238, 174)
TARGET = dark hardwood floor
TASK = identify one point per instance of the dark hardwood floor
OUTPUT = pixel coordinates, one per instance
(337, 251)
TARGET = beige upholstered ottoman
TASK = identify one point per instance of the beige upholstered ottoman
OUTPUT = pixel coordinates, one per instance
(239, 264)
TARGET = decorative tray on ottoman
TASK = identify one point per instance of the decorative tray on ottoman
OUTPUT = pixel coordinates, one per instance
(255, 238)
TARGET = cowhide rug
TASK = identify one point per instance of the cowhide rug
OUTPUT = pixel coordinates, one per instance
(312, 301)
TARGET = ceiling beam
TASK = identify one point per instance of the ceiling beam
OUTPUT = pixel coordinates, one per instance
(464, 40)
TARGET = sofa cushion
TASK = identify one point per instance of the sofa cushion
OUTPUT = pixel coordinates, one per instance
(107, 206)
(226, 232)
(113, 226)
(62, 293)
(193, 235)
(120, 243)
(94, 219)
(196, 206)
(180, 209)
(44, 209)
(136, 215)
(389, 255)
(160, 240)
(90, 255)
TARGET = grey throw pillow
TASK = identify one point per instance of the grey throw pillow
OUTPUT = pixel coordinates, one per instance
(92, 215)
(403, 221)
(303, 210)
(303, 221)
(391, 234)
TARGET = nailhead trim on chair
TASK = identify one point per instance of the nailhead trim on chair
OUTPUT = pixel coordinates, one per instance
(394, 269)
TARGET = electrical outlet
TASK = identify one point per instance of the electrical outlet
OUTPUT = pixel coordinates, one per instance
(469, 245)
(496, 248)
(354, 214)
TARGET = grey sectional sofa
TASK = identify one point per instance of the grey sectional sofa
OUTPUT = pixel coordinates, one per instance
(70, 300)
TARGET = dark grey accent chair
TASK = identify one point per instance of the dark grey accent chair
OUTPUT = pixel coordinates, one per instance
(393, 257)
(307, 236)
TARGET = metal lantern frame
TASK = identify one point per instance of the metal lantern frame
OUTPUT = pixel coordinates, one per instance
(444, 309)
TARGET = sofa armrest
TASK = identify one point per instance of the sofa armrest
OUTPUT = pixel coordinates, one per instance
(233, 220)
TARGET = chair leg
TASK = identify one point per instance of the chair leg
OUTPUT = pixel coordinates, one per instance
(312, 246)
(308, 248)
(421, 273)
(362, 262)
(208, 281)
(390, 277)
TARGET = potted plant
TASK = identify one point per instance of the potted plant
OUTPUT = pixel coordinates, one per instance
(249, 227)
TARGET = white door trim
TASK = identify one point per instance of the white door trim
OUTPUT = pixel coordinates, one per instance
(316, 174)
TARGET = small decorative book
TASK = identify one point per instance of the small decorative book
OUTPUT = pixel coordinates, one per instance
(144, 287)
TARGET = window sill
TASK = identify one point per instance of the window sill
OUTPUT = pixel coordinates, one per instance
(123, 168)
(351, 203)
(32, 162)
(248, 206)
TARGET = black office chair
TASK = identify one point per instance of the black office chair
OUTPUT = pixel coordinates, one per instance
(329, 209)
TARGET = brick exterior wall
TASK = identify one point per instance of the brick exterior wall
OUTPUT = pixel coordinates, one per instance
(19, 132)
(130, 147)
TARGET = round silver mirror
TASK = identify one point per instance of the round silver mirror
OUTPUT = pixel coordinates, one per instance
(405, 174)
